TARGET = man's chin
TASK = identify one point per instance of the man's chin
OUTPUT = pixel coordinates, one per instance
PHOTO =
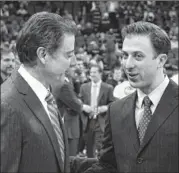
(134, 84)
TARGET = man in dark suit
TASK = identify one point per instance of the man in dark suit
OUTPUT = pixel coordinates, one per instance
(71, 106)
(141, 133)
(33, 138)
(116, 77)
(7, 63)
(95, 95)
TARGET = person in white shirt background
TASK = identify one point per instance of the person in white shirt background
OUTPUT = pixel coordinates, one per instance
(124, 88)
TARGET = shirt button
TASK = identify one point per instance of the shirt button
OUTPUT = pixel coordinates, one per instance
(140, 160)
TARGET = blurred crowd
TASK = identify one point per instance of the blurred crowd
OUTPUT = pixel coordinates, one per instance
(99, 25)
(98, 40)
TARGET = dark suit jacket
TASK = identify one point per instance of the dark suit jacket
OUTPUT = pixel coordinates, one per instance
(71, 107)
(1, 80)
(112, 82)
(121, 151)
(105, 97)
(28, 140)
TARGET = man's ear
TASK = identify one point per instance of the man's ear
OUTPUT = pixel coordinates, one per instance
(41, 54)
(162, 58)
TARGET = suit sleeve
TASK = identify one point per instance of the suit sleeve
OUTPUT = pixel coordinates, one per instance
(11, 139)
(107, 160)
(69, 99)
(81, 95)
(110, 95)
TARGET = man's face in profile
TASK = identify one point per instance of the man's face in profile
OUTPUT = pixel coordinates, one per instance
(59, 61)
(7, 63)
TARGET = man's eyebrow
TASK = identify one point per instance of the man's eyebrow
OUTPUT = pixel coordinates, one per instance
(137, 51)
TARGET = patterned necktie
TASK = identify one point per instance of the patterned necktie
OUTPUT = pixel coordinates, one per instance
(147, 115)
(54, 113)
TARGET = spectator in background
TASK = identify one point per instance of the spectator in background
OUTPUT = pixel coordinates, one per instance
(71, 108)
(116, 77)
(95, 95)
(105, 23)
(124, 88)
(80, 75)
(67, 14)
(5, 11)
(22, 11)
(111, 59)
(7, 63)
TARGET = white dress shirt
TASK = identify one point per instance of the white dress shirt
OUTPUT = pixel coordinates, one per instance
(154, 96)
(98, 86)
(175, 78)
(38, 88)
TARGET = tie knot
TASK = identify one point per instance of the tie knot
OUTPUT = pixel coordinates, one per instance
(147, 102)
(49, 98)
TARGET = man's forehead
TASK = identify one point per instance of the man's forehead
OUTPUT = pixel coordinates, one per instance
(94, 69)
(8, 55)
(136, 43)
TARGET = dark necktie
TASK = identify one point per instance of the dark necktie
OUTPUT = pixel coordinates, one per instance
(147, 115)
(54, 113)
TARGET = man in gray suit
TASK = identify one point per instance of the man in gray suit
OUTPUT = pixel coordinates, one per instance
(141, 133)
(33, 138)
(71, 106)
(95, 95)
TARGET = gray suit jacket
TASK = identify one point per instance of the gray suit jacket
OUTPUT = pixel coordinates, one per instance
(28, 141)
(121, 151)
(71, 107)
(105, 97)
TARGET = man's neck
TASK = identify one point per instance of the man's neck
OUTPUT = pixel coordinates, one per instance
(96, 82)
(33, 72)
(157, 82)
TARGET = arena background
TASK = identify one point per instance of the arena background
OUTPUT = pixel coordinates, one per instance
(99, 24)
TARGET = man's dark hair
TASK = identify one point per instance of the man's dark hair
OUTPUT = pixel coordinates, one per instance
(159, 38)
(43, 29)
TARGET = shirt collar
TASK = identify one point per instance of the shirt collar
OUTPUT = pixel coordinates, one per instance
(36, 86)
(155, 95)
(98, 84)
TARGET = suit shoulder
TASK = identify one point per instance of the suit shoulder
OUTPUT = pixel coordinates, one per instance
(107, 85)
(8, 91)
(85, 84)
(120, 102)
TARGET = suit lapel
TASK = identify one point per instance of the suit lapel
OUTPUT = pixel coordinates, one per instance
(88, 92)
(128, 111)
(164, 109)
(101, 91)
(38, 110)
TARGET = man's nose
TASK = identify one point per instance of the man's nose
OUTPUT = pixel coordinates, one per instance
(11, 63)
(129, 63)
